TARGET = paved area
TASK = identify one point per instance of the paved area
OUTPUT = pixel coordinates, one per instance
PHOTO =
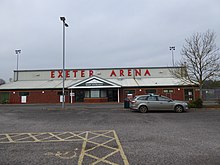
(107, 134)
(96, 146)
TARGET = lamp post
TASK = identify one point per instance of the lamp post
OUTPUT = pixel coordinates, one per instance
(17, 52)
(64, 75)
(172, 48)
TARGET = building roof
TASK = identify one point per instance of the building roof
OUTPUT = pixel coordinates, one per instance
(119, 82)
(150, 82)
(50, 84)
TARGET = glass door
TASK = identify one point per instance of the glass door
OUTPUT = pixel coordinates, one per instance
(112, 95)
(79, 94)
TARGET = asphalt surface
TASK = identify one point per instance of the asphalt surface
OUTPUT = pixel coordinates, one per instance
(150, 138)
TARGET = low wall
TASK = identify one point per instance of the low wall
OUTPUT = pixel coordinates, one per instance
(95, 100)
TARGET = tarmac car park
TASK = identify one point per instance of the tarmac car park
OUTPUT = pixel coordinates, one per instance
(107, 134)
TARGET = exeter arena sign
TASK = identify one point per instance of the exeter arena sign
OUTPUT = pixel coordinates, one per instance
(109, 73)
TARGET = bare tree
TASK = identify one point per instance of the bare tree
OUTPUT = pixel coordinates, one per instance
(201, 59)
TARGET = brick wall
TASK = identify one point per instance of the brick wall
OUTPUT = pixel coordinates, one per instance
(95, 100)
(52, 96)
(176, 94)
(36, 96)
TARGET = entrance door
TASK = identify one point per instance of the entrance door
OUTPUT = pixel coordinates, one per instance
(79, 94)
(112, 95)
(188, 94)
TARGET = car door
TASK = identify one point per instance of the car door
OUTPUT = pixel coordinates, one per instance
(165, 103)
(152, 103)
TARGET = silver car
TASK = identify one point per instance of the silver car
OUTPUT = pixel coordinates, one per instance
(143, 103)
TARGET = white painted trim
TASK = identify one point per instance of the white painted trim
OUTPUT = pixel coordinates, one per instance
(118, 95)
(71, 97)
(76, 85)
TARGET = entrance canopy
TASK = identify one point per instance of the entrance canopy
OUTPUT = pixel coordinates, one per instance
(94, 82)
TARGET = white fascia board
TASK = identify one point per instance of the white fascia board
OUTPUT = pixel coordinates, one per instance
(92, 87)
(114, 85)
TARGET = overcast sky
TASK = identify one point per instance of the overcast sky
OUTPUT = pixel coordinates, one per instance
(101, 33)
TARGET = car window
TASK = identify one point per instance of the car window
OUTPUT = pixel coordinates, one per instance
(142, 98)
(152, 98)
(161, 98)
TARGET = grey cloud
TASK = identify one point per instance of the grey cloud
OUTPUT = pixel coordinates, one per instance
(101, 33)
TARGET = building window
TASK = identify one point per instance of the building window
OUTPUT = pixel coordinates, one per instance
(150, 91)
(87, 94)
(23, 93)
(103, 93)
(168, 91)
(95, 93)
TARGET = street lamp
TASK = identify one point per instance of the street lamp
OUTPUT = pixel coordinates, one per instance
(17, 52)
(64, 75)
(172, 48)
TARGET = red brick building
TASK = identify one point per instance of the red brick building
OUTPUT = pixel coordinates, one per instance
(94, 85)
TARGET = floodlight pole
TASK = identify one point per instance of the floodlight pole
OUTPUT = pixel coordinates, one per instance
(64, 75)
(172, 48)
(17, 52)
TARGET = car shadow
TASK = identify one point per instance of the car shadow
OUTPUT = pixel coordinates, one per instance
(156, 111)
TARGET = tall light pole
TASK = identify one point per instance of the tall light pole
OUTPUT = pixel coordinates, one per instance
(64, 75)
(172, 48)
(17, 52)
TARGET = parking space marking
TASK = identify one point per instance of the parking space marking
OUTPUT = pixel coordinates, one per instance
(8, 137)
(97, 146)
(63, 155)
(41, 137)
(83, 150)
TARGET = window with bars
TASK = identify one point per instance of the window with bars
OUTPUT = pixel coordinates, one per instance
(168, 91)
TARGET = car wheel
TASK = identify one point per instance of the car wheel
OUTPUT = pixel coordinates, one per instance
(178, 109)
(143, 109)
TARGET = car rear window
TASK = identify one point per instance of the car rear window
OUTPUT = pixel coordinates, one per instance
(142, 98)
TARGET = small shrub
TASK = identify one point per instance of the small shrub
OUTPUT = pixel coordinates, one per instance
(191, 105)
(199, 103)
(5, 101)
(196, 104)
